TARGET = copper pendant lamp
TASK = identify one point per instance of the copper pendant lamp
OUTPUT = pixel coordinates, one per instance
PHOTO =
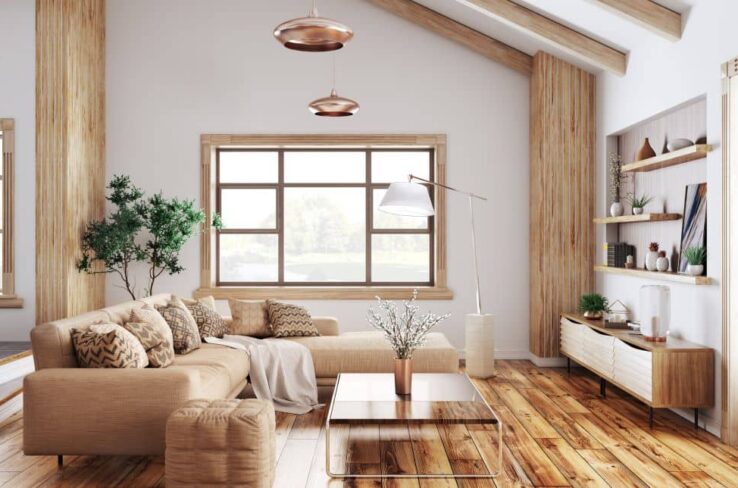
(333, 105)
(313, 33)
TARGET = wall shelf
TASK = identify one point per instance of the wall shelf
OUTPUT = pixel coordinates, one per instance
(691, 153)
(629, 219)
(656, 275)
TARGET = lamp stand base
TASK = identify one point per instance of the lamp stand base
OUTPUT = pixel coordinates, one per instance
(480, 345)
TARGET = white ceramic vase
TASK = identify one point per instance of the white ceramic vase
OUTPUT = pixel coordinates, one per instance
(616, 209)
(651, 258)
(662, 264)
(695, 269)
(637, 210)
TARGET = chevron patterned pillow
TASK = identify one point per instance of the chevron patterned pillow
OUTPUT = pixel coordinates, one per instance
(184, 328)
(158, 348)
(148, 314)
(108, 346)
(290, 320)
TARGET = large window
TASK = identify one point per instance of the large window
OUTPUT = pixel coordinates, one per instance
(309, 217)
(7, 278)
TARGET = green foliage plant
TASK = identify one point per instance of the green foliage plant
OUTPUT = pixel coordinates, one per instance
(151, 230)
(638, 202)
(593, 302)
(695, 255)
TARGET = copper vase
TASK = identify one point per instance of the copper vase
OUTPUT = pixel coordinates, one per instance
(403, 376)
(646, 151)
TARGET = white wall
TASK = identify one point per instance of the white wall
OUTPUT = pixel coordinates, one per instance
(662, 74)
(179, 68)
(17, 101)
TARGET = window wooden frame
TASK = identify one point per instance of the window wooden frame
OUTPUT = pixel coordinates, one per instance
(210, 144)
(8, 298)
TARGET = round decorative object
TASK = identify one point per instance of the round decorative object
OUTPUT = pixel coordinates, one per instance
(646, 151)
(593, 315)
(334, 106)
(678, 144)
(651, 258)
(616, 209)
(313, 33)
(695, 269)
(662, 264)
(637, 210)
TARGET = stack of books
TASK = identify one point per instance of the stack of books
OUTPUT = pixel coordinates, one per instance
(617, 252)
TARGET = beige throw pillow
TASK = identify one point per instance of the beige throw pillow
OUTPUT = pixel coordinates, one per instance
(184, 328)
(209, 322)
(159, 348)
(148, 314)
(290, 320)
(250, 318)
(108, 346)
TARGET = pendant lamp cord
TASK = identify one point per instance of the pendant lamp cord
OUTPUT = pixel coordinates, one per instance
(334, 71)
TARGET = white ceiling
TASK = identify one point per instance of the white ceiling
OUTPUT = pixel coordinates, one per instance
(585, 16)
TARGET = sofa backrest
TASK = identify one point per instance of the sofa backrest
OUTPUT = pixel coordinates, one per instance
(52, 342)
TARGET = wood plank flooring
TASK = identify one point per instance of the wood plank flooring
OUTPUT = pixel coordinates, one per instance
(558, 432)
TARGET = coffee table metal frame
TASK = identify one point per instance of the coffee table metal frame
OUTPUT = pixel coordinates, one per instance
(494, 474)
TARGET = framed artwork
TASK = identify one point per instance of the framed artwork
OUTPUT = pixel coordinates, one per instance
(694, 222)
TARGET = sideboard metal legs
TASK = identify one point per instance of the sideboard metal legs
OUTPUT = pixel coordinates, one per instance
(696, 418)
(60, 461)
(603, 387)
(650, 417)
(568, 366)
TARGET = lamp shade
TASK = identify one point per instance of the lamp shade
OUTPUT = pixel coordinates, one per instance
(408, 199)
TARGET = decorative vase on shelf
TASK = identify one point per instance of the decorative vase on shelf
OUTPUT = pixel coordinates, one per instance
(662, 263)
(403, 376)
(695, 269)
(646, 151)
(637, 210)
(616, 209)
(652, 256)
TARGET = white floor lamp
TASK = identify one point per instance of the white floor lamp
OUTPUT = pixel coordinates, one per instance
(413, 200)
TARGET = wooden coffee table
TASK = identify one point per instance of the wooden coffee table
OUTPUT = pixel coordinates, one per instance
(369, 399)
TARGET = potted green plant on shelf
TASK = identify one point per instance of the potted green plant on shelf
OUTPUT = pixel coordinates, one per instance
(638, 203)
(695, 260)
(592, 305)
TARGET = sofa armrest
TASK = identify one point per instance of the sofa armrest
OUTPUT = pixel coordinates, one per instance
(327, 326)
(103, 411)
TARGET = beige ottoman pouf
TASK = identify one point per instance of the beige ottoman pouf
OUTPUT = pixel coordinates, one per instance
(221, 443)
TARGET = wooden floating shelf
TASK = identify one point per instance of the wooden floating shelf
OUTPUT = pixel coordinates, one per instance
(656, 275)
(629, 219)
(691, 153)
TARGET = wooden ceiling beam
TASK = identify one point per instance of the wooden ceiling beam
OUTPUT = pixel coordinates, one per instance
(552, 32)
(457, 32)
(648, 14)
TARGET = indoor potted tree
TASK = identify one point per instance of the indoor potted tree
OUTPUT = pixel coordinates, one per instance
(593, 305)
(405, 331)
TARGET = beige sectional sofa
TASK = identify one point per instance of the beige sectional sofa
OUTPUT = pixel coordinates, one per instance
(72, 410)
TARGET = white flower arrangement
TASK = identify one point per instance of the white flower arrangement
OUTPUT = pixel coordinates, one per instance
(406, 330)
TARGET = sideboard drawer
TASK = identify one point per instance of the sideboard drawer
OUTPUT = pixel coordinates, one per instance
(599, 351)
(572, 338)
(633, 369)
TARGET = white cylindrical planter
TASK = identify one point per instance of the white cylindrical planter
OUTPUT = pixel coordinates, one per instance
(480, 345)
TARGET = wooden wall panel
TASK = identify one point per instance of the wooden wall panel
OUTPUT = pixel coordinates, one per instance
(562, 170)
(70, 151)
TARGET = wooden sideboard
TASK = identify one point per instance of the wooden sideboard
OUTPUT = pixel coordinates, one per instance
(671, 374)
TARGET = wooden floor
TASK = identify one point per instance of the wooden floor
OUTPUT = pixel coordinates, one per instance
(558, 432)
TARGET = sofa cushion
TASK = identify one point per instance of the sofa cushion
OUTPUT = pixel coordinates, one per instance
(158, 348)
(290, 320)
(209, 322)
(234, 363)
(250, 318)
(369, 352)
(148, 314)
(108, 346)
(184, 328)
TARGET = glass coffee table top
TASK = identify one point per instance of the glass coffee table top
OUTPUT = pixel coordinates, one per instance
(436, 398)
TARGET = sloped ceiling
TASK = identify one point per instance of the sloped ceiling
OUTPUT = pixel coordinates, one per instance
(585, 16)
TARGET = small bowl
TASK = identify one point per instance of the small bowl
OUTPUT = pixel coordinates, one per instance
(678, 144)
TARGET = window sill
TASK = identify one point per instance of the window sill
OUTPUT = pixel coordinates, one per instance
(11, 301)
(324, 293)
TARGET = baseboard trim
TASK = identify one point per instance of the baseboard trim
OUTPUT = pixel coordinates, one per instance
(501, 354)
(547, 362)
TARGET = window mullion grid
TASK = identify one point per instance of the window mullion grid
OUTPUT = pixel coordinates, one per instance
(280, 218)
(369, 218)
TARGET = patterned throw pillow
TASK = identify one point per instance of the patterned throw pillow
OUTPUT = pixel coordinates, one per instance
(250, 318)
(183, 325)
(290, 320)
(148, 314)
(108, 346)
(158, 348)
(209, 322)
